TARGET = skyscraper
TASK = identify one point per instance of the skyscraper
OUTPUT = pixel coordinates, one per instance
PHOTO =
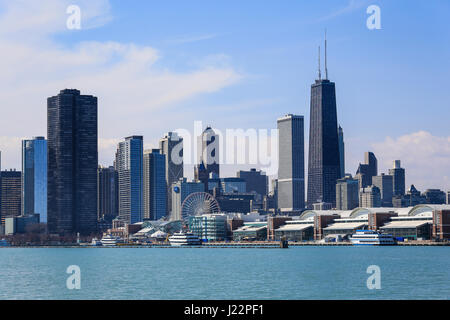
(384, 182)
(324, 167)
(398, 174)
(72, 162)
(341, 151)
(208, 147)
(347, 193)
(256, 181)
(34, 177)
(10, 191)
(367, 170)
(291, 166)
(129, 166)
(172, 147)
(108, 193)
(155, 188)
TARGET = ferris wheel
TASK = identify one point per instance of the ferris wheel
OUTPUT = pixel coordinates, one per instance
(199, 203)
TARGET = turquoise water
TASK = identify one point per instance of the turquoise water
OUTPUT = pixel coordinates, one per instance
(216, 273)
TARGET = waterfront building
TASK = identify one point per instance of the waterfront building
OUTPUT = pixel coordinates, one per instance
(72, 162)
(10, 190)
(385, 184)
(209, 227)
(448, 197)
(370, 197)
(171, 145)
(34, 177)
(294, 231)
(107, 194)
(129, 166)
(347, 193)
(256, 181)
(341, 151)
(291, 166)
(441, 223)
(254, 231)
(398, 179)
(180, 191)
(434, 196)
(208, 151)
(155, 189)
(367, 170)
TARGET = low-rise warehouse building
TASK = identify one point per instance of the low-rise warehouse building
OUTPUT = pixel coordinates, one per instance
(408, 229)
(295, 231)
(253, 231)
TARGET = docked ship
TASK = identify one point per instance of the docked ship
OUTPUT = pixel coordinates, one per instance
(110, 240)
(370, 237)
(96, 243)
(181, 238)
(4, 243)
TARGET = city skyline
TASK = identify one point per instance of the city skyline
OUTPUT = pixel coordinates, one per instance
(235, 82)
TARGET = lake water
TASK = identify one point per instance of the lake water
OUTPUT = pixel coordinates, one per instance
(219, 273)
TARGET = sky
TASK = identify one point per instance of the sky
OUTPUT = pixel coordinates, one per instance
(158, 66)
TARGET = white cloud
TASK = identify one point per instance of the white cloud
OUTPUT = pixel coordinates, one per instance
(130, 80)
(426, 158)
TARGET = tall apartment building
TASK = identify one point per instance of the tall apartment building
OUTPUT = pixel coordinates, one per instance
(10, 191)
(398, 178)
(347, 196)
(367, 170)
(72, 162)
(129, 166)
(385, 184)
(370, 197)
(108, 193)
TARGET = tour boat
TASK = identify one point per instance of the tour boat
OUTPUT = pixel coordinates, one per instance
(4, 243)
(181, 238)
(96, 243)
(370, 237)
(110, 241)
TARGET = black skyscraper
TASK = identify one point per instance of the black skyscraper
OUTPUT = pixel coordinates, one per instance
(324, 159)
(72, 162)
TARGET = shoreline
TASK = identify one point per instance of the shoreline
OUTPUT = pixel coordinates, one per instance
(232, 245)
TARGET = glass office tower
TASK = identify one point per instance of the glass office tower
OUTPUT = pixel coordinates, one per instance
(34, 177)
(155, 189)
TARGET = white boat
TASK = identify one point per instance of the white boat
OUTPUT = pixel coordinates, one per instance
(4, 243)
(110, 240)
(95, 242)
(184, 239)
(370, 237)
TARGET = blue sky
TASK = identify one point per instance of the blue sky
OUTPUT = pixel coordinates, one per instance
(262, 59)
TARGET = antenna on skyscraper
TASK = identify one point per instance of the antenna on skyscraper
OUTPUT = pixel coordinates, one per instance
(326, 68)
(320, 74)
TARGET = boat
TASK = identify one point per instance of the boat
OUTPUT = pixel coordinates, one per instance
(110, 240)
(182, 238)
(4, 243)
(370, 237)
(96, 243)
